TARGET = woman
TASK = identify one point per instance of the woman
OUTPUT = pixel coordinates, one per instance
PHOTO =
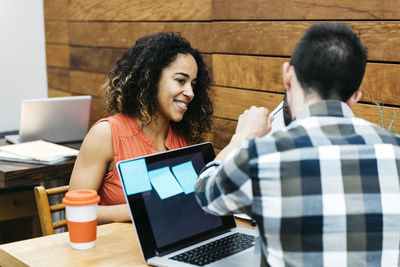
(158, 93)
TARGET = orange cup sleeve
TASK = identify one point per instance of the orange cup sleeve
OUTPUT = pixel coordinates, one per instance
(82, 232)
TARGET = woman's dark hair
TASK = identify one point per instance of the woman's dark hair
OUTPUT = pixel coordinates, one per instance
(330, 60)
(132, 88)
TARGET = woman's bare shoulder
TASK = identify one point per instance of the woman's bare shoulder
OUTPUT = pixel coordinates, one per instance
(99, 132)
(99, 138)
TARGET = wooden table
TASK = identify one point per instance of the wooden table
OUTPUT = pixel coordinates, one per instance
(116, 245)
(17, 180)
(15, 173)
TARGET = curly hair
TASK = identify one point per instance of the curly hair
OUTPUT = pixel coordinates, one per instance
(132, 85)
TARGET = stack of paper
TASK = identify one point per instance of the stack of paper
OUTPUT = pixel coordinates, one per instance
(40, 152)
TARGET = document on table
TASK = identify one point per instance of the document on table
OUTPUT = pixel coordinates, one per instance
(40, 152)
(278, 122)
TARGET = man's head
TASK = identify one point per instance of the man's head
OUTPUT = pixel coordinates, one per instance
(329, 62)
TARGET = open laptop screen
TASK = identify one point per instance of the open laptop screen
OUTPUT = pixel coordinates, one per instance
(159, 191)
(57, 119)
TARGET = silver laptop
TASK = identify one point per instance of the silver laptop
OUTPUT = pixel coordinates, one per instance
(57, 120)
(171, 227)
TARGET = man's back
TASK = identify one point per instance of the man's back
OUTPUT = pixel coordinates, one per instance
(326, 190)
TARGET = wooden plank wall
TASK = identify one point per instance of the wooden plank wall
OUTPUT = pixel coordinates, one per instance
(244, 42)
(85, 38)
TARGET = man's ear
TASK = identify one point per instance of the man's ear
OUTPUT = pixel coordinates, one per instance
(354, 98)
(287, 71)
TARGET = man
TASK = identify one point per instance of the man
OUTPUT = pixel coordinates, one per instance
(324, 191)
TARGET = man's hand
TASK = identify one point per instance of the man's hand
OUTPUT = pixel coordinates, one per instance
(253, 122)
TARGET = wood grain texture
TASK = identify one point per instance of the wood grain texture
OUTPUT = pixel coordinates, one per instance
(139, 10)
(305, 9)
(43, 207)
(381, 39)
(229, 103)
(58, 78)
(9, 260)
(56, 31)
(97, 110)
(209, 137)
(55, 9)
(18, 173)
(57, 55)
(208, 60)
(252, 72)
(124, 35)
(370, 113)
(46, 208)
(99, 59)
(116, 245)
(17, 205)
(86, 38)
(381, 82)
(262, 38)
(279, 38)
(265, 73)
(87, 83)
(57, 93)
(223, 129)
(15, 173)
(95, 59)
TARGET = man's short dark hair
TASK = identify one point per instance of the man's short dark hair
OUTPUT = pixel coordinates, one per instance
(330, 60)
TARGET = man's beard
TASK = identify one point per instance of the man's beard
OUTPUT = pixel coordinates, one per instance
(287, 114)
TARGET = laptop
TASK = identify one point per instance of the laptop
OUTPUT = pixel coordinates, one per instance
(171, 227)
(57, 120)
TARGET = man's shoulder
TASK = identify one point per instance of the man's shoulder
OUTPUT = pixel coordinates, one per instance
(280, 140)
(317, 131)
(381, 134)
(293, 136)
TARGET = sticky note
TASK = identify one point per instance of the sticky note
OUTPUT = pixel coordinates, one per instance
(135, 176)
(186, 176)
(164, 182)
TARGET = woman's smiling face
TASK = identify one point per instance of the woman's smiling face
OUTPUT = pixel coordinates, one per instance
(175, 88)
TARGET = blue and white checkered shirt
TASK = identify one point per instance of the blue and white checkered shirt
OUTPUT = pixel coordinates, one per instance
(324, 191)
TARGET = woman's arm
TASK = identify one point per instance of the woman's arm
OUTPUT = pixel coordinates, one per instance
(95, 159)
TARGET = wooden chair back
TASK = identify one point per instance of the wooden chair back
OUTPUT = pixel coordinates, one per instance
(45, 209)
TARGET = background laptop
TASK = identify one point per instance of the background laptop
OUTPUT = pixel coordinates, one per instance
(168, 220)
(57, 120)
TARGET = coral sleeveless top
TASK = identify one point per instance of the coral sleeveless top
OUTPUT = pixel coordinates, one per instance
(129, 141)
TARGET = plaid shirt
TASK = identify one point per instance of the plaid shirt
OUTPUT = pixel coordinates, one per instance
(324, 191)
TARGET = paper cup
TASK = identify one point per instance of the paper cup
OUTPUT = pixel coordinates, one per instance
(81, 215)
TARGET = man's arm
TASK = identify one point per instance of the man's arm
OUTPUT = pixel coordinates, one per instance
(253, 122)
(225, 188)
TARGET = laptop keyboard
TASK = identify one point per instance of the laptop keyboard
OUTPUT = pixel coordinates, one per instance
(216, 250)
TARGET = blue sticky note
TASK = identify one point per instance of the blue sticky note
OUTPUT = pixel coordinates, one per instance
(186, 176)
(164, 182)
(135, 176)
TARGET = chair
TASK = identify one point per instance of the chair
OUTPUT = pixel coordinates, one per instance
(45, 209)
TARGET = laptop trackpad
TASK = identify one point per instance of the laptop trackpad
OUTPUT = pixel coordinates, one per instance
(245, 258)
